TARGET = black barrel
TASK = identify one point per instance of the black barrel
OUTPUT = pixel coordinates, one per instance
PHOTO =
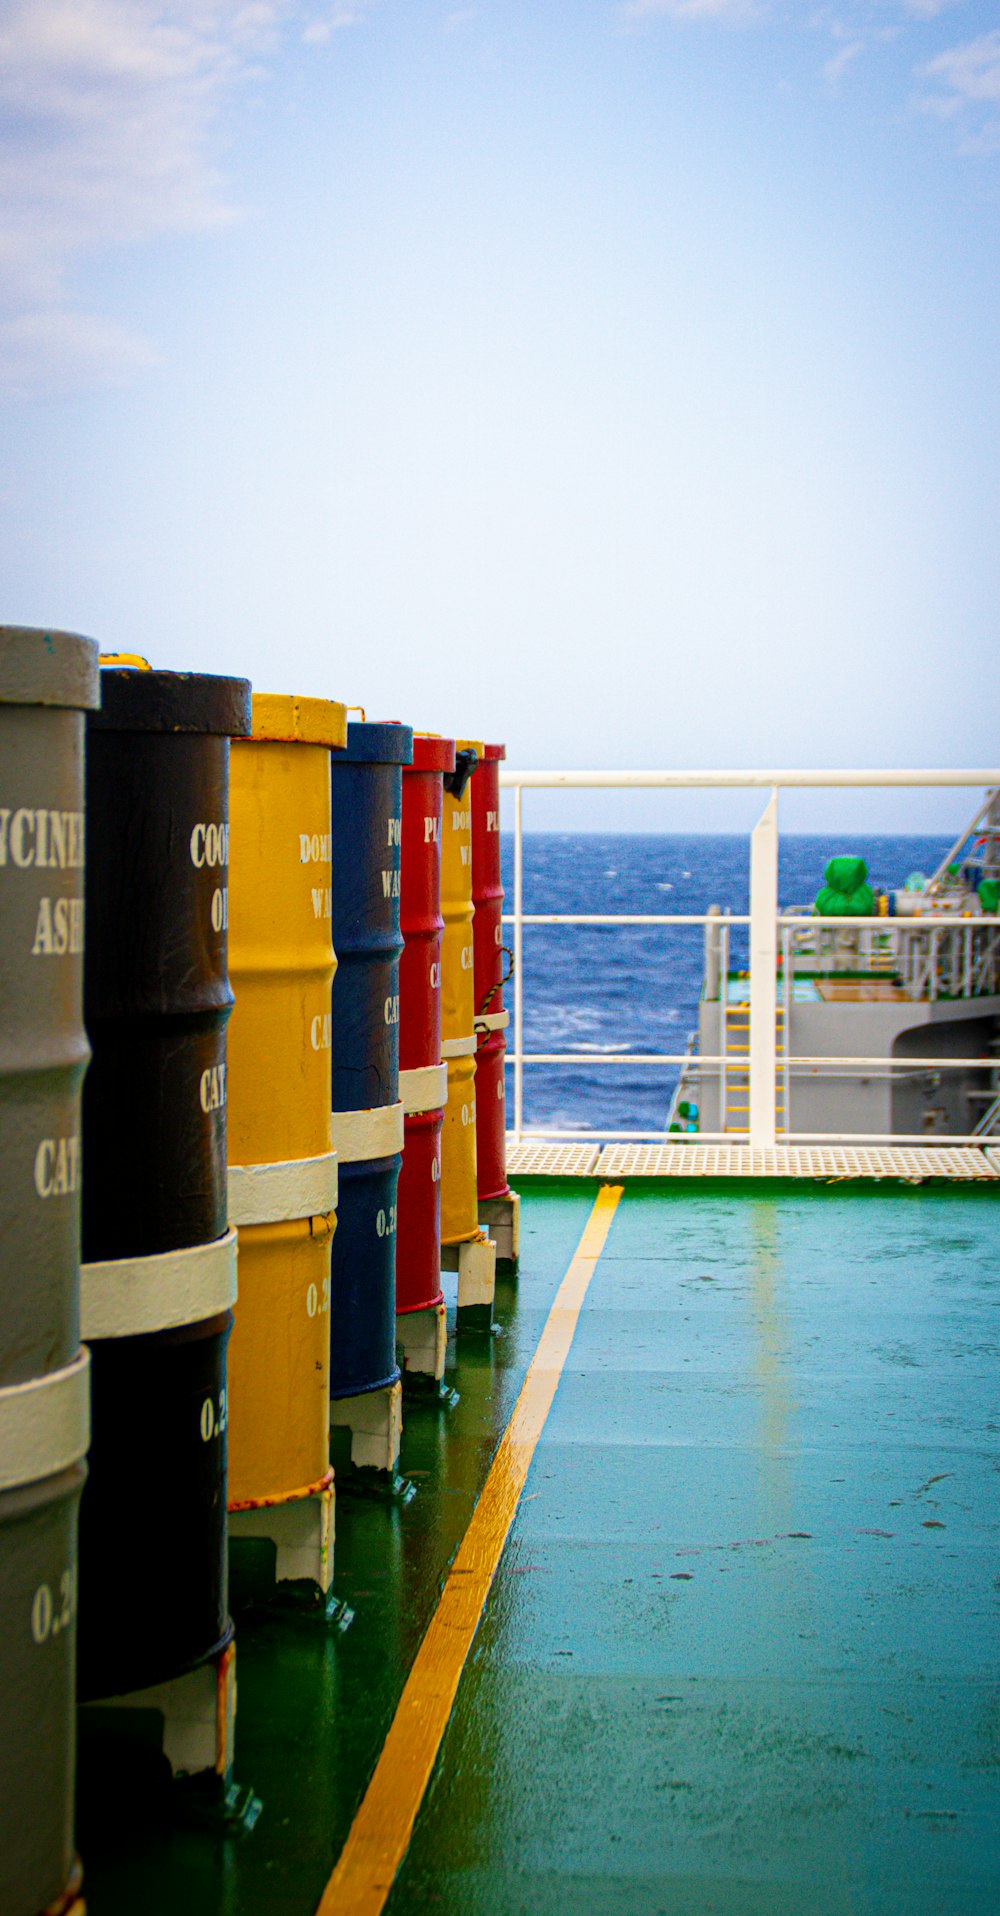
(157, 1000)
(153, 1592)
(48, 680)
(157, 991)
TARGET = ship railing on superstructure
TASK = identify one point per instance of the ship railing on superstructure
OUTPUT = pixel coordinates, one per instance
(978, 847)
(930, 956)
(930, 945)
(685, 1088)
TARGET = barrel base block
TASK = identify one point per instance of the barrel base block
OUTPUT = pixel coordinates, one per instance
(422, 1342)
(302, 1531)
(71, 1902)
(501, 1217)
(476, 1264)
(199, 1716)
(375, 1421)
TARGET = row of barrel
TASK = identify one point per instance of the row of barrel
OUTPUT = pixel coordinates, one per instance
(251, 1096)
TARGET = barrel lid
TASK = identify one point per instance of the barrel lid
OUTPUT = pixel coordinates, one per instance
(38, 667)
(377, 745)
(494, 751)
(471, 745)
(137, 701)
(285, 718)
(432, 753)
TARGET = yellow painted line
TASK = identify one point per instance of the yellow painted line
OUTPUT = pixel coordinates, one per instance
(381, 1831)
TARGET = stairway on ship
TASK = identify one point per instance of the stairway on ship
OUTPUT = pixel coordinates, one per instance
(737, 1046)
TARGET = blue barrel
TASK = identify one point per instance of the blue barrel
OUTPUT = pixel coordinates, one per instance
(367, 787)
(367, 813)
(363, 1302)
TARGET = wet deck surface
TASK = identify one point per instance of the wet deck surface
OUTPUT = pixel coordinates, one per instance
(742, 1653)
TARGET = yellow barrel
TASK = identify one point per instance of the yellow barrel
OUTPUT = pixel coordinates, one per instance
(282, 1170)
(279, 1363)
(459, 1198)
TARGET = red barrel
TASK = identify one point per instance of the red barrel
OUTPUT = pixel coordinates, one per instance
(489, 970)
(423, 1079)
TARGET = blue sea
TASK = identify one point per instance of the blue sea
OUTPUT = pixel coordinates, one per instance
(593, 989)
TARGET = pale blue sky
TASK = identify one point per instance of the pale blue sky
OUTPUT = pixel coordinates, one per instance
(617, 379)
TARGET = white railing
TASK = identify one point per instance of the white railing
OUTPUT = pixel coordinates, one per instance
(767, 929)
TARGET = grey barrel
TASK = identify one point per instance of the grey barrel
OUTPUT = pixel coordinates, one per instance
(43, 1439)
(48, 681)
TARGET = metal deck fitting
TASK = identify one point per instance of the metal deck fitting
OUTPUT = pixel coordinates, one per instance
(693, 1160)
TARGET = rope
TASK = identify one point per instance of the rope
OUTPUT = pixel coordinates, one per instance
(505, 980)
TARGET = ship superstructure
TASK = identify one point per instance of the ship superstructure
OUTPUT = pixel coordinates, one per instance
(887, 1021)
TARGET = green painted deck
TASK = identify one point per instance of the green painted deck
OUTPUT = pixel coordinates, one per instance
(742, 1652)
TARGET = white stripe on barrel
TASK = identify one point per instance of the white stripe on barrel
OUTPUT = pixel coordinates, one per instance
(424, 1088)
(45, 1424)
(460, 1047)
(274, 1193)
(361, 1136)
(130, 1296)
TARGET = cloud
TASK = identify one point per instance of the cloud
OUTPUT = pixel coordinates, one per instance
(734, 12)
(107, 110)
(966, 82)
(970, 72)
(928, 9)
(838, 63)
(346, 13)
(55, 351)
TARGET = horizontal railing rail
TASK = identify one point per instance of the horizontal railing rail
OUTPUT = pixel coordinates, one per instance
(802, 780)
(917, 1066)
(907, 944)
(734, 1137)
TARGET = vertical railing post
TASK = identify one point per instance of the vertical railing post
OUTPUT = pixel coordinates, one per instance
(713, 953)
(518, 967)
(763, 975)
(723, 1025)
(788, 979)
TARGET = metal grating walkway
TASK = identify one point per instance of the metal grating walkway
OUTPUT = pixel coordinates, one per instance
(536, 1160)
(690, 1159)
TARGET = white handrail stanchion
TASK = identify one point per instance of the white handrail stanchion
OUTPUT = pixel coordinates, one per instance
(763, 975)
(723, 1029)
(518, 967)
(787, 983)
